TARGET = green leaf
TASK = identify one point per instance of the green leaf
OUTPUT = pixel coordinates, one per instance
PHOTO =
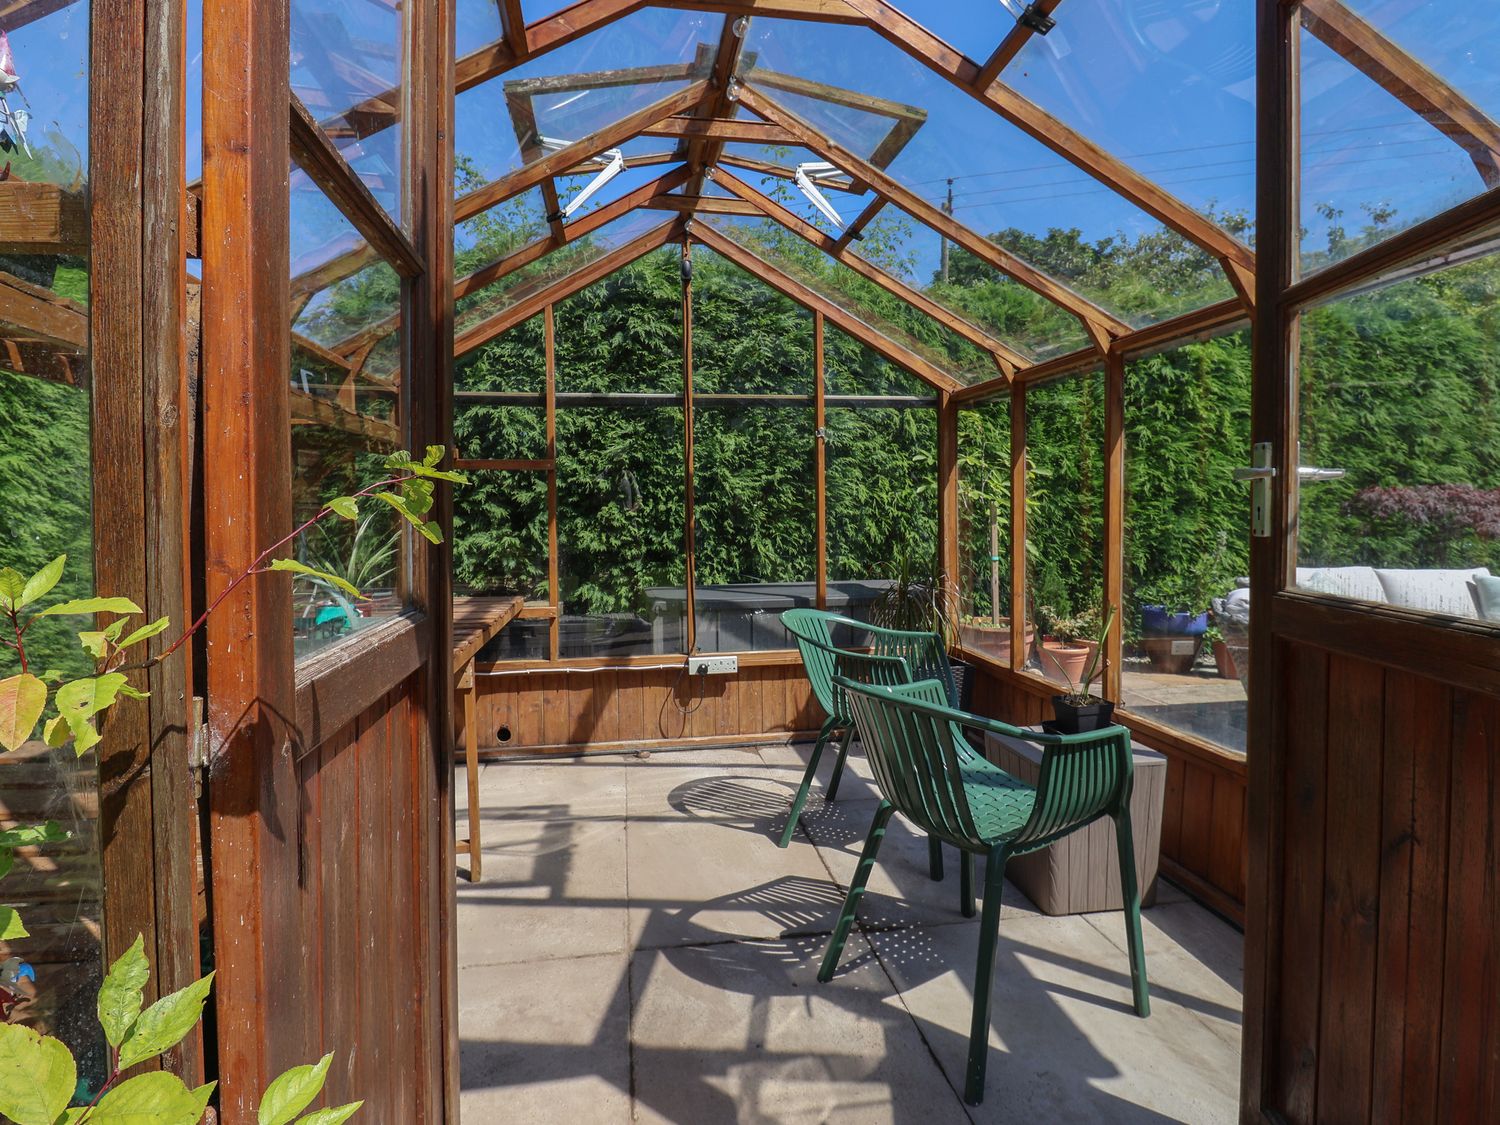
(418, 495)
(434, 457)
(202, 1094)
(56, 731)
(37, 1076)
(145, 631)
(120, 994)
(94, 642)
(335, 1116)
(41, 583)
(131, 693)
(7, 861)
(91, 605)
(12, 583)
(22, 698)
(345, 506)
(29, 835)
(427, 467)
(321, 575)
(292, 1092)
(158, 1098)
(163, 1025)
(77, 704)
(11, 928)
(73, 1116)
(429, 531)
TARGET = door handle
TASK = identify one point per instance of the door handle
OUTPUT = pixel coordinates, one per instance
(1257, 472)
(1260, 474)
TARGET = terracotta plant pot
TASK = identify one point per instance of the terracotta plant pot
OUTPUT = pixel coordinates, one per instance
(1174, 656)
(990, 639)
(1064, 662)
(1224, 660)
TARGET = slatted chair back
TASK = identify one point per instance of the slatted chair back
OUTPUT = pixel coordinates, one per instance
(815, 644)
(924, 653)
(910, 739)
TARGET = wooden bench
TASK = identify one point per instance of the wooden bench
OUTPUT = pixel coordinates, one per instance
(476, 621)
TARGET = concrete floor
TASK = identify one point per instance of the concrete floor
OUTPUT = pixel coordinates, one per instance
(640, 950)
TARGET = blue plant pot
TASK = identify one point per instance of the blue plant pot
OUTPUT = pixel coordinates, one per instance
(1157, 621)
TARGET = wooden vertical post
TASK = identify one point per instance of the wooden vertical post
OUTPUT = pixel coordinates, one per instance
(820, 461)
(1114, 516)
(247, 505)
(427, 136)
(690, 626)
(947, 490)
(1019, 625)
(140, 432)
(1273, 348)
(554, 630)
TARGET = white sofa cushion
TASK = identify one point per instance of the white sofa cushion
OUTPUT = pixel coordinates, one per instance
(1432, 591)
(1344, 582)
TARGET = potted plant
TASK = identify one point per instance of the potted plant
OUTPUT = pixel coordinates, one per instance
(1223, 658)
(1077, 709)
(990, 635)
(918, 600)
(1065, 649)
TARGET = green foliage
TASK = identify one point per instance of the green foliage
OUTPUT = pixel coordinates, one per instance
(38, 1075)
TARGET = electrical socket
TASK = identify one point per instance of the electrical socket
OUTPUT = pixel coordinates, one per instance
(713, 665)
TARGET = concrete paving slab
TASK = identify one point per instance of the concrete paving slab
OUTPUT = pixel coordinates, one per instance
(1065, 1042)
(554, 866)
(702, 861)
(742, 1032)
(899, 892)
(857, 784)
(546, 1042)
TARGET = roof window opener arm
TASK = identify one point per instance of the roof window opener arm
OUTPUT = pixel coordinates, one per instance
(807, 175)
(614, 164)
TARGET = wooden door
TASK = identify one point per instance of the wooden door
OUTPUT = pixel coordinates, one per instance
(1372, 989)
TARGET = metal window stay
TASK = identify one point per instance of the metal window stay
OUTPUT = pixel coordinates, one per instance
(614, 164)
(807, 176)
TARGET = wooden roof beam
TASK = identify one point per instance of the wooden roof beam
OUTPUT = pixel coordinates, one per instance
(861, 221)
(30, 312)
(782, 172)
(1009, 359)
(325, 166)
(762, 270)
(702, 205)
(576, 153)
(1409, 82)
(533, 303)
(1094, 318)
(720, 130)
(513, 26)
(702, 152)
(1015, 40)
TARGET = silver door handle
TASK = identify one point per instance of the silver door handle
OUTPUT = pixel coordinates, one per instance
(1266, 472)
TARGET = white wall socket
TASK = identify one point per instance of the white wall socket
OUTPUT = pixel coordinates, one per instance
(713, 665)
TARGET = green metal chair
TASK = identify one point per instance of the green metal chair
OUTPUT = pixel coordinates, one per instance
(910, 737)
(925, 657)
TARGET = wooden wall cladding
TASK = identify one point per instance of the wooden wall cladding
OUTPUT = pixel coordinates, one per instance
(1203, 841)
(1388, 985)
(367, 827)
(609, 708)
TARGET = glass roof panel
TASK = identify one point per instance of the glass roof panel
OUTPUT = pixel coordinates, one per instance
(1457, 42)
(497, 232)
(580, 88)
(777, 359)
(536, 276)
(1168, 86)
(884, 312)
(1370, 166)
(1000, 183)
(975, 27)
(347, 67)
(476, 24)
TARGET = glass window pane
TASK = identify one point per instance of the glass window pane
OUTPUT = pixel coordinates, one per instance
(346, 418)
(1371, 165)
(1064, 521)
(621, 534)
(1187, 545)
(1168, 87)
(349, 68)
(624, 334)
(499, 407)
(1400, 406)
(881, 480)
(500, 548)
(983, 579)
(46, 511)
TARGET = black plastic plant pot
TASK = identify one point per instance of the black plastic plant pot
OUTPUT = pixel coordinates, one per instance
(1096, 714)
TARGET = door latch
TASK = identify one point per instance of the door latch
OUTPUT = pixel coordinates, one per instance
(1260, 475)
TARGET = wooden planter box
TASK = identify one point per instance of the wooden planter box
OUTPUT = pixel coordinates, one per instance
(1080, 874)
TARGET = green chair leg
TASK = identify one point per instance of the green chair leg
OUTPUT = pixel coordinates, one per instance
(856, 890)
(966, 884)
(838, 764)
(935, 859)
(984, 973)
(807, 779)
(1131, 893)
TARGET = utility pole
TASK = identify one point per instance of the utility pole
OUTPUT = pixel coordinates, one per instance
(948, 210)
